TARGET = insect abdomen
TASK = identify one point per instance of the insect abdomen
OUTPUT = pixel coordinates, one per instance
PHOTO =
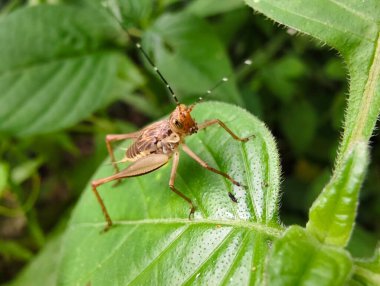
(157, 138)
(132, 152)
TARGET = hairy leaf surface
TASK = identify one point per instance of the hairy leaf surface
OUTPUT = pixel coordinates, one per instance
(353, 28)
(153, 239)
(299, 259)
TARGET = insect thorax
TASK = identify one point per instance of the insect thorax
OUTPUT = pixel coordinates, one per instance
(157, 138)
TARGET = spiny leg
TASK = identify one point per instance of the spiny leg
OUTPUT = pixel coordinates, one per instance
(205, 165)
(224, 126)
(140, 167)
(95, 184)
(117, 137)
(171, 183)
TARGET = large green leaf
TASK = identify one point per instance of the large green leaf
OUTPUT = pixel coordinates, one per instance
(153, 240)
(64, 64)
(352, 27)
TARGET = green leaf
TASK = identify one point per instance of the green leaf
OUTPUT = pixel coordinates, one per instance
(298, 122)
(187, 41)
(59, 71)
(25, 170)
(213, 7)
(4, 177)
(367, 271)
(43, 269)
(153, 239)
(299, 259)
(352, 27)
(134, 13)
(281, 77)
(13, 250)
(333, 213)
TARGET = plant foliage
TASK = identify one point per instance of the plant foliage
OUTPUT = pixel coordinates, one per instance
(63, 71)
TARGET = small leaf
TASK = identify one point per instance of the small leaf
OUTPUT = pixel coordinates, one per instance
(367, 271)
(299, 259)
(332, 215)
(25, 170)
(152, 232)
(13, 250)
(4, 177)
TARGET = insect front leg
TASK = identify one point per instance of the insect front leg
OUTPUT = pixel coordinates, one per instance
(117, 137)
(171, 183)
(224, 126)
(140, 167)
(208, 167)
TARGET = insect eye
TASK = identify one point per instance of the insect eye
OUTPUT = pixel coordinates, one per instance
(178, 124)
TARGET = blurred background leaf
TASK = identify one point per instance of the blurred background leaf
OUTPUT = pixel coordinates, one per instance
(60, 71)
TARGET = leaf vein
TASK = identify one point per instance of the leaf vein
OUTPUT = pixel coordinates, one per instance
(239, 250)
(211, 255)
(112, 253)
(167, 248)
(258, 227)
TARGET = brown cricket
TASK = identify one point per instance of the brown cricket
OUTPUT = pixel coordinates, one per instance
(156, 144)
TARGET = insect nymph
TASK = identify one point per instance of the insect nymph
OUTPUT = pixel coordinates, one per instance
(156, 144)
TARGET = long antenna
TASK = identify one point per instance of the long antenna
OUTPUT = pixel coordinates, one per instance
(113, 9)
(223, 80)
(138, 45)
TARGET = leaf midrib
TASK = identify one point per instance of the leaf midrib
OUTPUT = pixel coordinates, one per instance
(271, 231)
(369, 92)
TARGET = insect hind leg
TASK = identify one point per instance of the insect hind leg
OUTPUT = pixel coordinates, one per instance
(140, 167)
(172, 180)
(117, 137)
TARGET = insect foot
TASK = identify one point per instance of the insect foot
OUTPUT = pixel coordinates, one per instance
(232, 197)
(245, 139)
(192, 211)
(239, 185)
(105, 229)
(116, 183)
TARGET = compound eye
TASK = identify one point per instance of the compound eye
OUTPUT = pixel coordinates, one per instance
(178, 124)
